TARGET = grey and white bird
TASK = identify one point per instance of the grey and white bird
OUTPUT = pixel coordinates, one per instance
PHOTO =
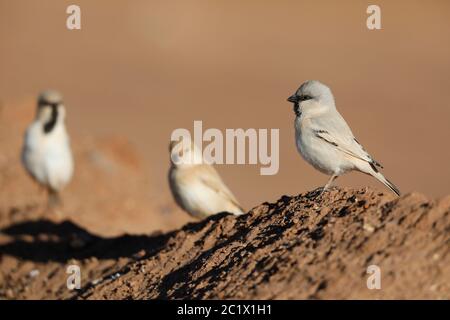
(196, 186)
(324, 139)
(46, 152)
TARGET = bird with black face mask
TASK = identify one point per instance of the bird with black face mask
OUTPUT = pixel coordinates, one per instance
(46, 153)
(325, 140)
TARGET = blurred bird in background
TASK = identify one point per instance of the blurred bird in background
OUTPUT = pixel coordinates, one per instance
(195, 185)
(46, 153)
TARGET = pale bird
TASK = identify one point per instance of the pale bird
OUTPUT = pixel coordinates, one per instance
(325, 140)
(196, 186)
(46, 152)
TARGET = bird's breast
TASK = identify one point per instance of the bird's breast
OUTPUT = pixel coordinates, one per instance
(316, 153)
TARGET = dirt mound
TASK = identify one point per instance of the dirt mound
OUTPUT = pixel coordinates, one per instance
(307, 246)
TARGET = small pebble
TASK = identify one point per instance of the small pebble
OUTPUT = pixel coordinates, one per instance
(368, 227)
(9, 294)
(115, 276)
(34, 273)
(140, 254)
(94, 260)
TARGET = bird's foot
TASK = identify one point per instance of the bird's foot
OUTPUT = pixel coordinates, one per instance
(317, 192)
(55, 214)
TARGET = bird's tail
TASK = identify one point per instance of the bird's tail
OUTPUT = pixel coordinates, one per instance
(386, 182)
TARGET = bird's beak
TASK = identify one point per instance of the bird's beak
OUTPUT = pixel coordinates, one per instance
(293, 98)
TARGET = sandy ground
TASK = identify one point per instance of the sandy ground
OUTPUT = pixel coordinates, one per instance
(303, 247)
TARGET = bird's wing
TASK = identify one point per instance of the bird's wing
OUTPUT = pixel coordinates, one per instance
(335, 131)
(212, 180)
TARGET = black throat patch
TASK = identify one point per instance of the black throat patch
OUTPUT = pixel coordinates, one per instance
(297, 109)
(50, 124)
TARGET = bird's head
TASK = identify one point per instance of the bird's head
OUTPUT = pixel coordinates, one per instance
(50, 109)
(311, 97)
(184, 153)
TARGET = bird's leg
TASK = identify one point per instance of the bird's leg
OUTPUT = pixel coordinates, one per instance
(54, 203)
(329, 183)
(54, 200)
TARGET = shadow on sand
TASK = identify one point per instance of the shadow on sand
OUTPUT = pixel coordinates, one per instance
(44, 240)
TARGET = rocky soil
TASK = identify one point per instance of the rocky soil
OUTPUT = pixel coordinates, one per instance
(310, 246)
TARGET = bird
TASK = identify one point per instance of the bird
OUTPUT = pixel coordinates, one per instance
(324, 139)
(46, 152)
(195, 185)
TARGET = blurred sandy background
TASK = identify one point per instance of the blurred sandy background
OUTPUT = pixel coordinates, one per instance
(140, 69)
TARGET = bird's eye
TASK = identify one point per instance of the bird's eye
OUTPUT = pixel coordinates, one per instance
(305, 97)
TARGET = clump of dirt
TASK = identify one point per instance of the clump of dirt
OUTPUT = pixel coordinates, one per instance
(309, 246)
